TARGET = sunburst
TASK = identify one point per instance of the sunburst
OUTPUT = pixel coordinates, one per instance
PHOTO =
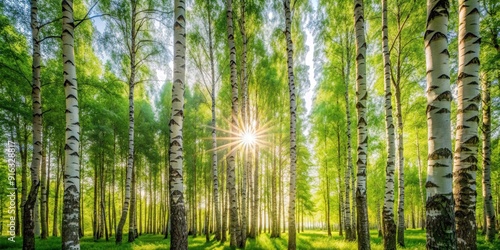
(245, 136)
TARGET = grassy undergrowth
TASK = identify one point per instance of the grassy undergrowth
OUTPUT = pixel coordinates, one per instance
(414, 239)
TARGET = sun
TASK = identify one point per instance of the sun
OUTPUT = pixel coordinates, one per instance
(243, 136)
(248, 138)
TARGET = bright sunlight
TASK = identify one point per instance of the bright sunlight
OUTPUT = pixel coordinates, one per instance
(248, 138)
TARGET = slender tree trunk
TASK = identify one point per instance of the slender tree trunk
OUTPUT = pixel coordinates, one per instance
(361, 97)
(388, 211)
(327, 200)
(440, 222)
(353, 214)
(255, 207)
(43, 197)
(339, 180)
(349, 232)
(110, 217)
(56, 196)
(244, 115)
(293, 136)
(16, 200)
(81, 217)
(178, 211)
(274, 199)
(29, 212)
(130, 159)
(400, 167)
(231, 164)
(224, 193)
(23, 151)
(71, 200)
(466, 145)
(36, 212)
(420, 186)
(486, 151)
(280, 200)
(400, 145)
(207, 212)
(47, 191)
(103, 201)
(95, 223)
(113, 183)
(215, 174)
(166, 177)
(133, 207)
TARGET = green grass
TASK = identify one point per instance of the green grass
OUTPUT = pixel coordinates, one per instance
(414, 239)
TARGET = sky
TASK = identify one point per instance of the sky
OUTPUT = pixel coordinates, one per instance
(309, 95)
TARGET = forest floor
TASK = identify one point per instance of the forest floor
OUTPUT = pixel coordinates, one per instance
(414, 239)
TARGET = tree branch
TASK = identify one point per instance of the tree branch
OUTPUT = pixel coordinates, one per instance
(49, 22)
(86, 15)
(48, 37)
(17, 72)
(90, 18)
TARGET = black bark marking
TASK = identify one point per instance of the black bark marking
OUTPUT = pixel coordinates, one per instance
(439, 165)
(443, 111)
(437, 36)
(430, 184)
(474, 60)
(67, 82)
(444, 5)
(442, 153)
(449, 175)
(464, 75)
(445, 96)
(476, 98)
(473, 119)
(471, 159)
(73, 138)
(471, 107)
(469, 35)
(446, 52)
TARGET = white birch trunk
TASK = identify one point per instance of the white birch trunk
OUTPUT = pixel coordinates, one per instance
(440, 221)
(177, 207)
(293, 136)
(244, 105)
(486, 153)
(467, 139)
(388, 211)
(30, 204)
(71, 200)
(231, 164)
(361, 97)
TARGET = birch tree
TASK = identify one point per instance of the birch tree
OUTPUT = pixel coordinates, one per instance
(29, 211)
(231, 164)
(486, 154)
(215, 174)
(71, 200)
(131, 21)
(466, 146)
(177, 208)
(293, 120)
(440, 217)
(388, 211)
(362, 133)
(244, 115)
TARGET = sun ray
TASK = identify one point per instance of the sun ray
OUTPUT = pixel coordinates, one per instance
(242, 136)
